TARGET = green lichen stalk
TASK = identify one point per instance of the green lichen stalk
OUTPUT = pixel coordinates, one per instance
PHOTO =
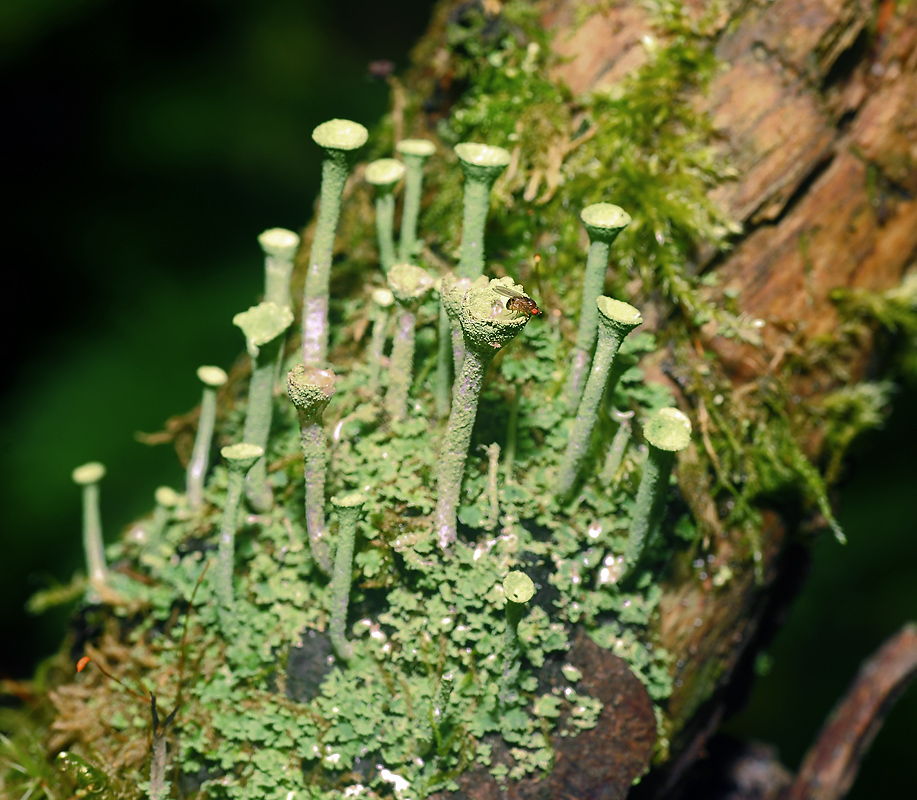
(481, 164)
(212, 378)
(615, 321)
(240, 458)
(310, 391)
(414, 153)
(384, 174)
(264, 327)
(339, 138)
(519, 589)
(279, 246)
(349, 508)
(667, 432)
(487, 326)
(603, 222)
(618, 446)
(88, 476)
(409, 285)
(451, 352)
(382, 301)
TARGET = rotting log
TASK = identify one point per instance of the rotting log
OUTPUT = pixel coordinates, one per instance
(816, 108)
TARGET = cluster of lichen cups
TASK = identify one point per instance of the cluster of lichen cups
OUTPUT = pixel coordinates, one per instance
(475, 324)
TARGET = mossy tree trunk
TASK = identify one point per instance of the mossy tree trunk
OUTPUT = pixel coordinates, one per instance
(814, 105)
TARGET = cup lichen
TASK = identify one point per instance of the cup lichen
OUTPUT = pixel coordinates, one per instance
(264, 327)
(240, 458)
(349, 508)
(616, 319)
(311, 390)
(279, 246)
(88, 477)
(409, 285)
(667, 432)
(339, 138)
(384, 174)
(487, 326)
(414, 153)
(212, 378)
(603, 223)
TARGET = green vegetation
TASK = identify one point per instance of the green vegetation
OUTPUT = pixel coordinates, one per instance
(398, 670)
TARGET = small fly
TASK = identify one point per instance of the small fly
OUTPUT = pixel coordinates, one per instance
(518, 302)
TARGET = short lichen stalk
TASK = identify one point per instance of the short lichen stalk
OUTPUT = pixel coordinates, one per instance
(384, 174)
(310, 391)
(519, 589)
(339, 138)
(212, 378)
(615, 321)
(409, 285)
(264, 327)
(279, 246)
(667, 432)
(414, 153)
(603, 222)
(88, 477)
(487, 326)
(240, 458)
(349, 508)
(493, 487)
(382, 301)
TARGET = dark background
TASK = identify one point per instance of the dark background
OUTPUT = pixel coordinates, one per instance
(145, 145)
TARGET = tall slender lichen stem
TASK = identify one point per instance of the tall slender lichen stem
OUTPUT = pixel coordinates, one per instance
(603, 222)
(519, 589)
(88, 477)
(310, 391)
(339, 138)
(212, 378)
(239, 460)
(349, 508)
(264, 326)
(279, 246)
(414, 153)
(487, 326)
(616, 320)
(481, 164)
(384, 174)
(512, 429)
(382, 299)
(666, 432)
(409, 285)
